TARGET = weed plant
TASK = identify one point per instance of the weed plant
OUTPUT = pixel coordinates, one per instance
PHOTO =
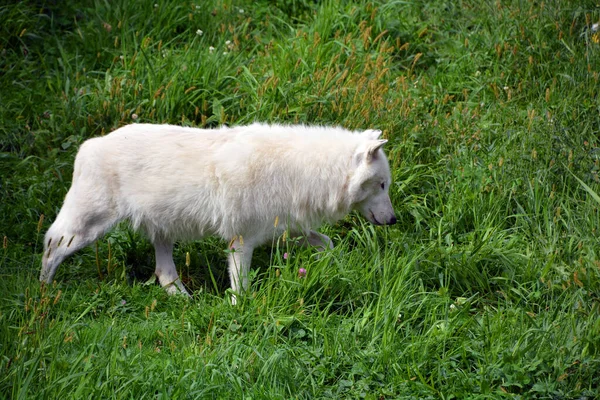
(488, 286)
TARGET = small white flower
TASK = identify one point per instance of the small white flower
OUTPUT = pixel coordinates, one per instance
(199, 32)
(228, 42)
(134, 116)
(224, 53)
(460, 300)
(122, 57)
(197, 7)
(242, 11)
(505, 87)
(211, 49)
(442, 326)
(155, 5)
(477, 73)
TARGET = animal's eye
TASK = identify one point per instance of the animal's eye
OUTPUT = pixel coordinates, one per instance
(383, 185)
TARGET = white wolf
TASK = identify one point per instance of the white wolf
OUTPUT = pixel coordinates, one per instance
(178, 183)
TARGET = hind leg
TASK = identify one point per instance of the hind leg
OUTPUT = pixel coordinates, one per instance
(165, 268)
(70, 232)
(239, 260)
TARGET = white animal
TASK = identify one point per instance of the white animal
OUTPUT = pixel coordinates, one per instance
(178, 183)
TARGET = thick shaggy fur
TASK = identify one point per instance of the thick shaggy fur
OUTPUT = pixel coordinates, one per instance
(180, 183)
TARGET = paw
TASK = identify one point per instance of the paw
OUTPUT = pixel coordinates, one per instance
(177, 288)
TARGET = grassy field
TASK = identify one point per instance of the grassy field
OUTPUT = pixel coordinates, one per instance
(488, 286)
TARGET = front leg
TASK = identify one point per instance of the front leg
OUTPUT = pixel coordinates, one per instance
(166, 272)
(318, 240)
(240, 258)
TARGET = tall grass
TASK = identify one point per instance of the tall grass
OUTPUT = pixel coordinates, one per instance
(488, 286)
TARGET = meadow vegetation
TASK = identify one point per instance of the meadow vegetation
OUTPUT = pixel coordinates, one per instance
(488, 286)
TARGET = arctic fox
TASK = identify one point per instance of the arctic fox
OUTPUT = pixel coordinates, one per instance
(181, 183)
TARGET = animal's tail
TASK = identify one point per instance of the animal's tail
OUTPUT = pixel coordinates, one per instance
(59, 243)
(86, 215)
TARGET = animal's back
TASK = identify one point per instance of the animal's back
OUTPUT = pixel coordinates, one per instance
(187, 182)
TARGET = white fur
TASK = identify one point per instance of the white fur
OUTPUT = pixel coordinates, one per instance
(180, 183)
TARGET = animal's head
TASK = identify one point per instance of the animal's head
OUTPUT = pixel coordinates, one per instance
(368, 187)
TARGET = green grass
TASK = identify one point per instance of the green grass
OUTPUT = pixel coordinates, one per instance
(488, 286)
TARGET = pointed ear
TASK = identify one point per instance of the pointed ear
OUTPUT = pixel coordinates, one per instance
(371, 134)
(368, 151)
(374, 147)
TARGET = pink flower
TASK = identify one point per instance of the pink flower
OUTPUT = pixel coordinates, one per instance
(301, 272)
(285, 256)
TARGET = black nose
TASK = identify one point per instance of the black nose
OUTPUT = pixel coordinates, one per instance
(392, 221)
